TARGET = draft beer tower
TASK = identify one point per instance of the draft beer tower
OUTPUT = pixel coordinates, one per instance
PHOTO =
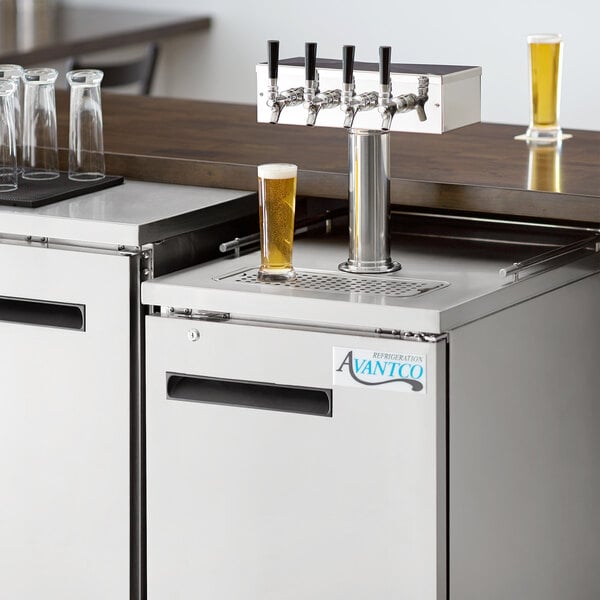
(429, 98)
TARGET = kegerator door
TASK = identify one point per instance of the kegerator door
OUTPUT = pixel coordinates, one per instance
(64, 424)
(286, 464)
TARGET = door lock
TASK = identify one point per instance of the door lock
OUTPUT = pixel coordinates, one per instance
(193, 335)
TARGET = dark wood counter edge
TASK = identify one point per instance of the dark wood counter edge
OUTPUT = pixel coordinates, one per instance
(218, 175)
(185, 24)
(430, 195)
(506, 202)
(478, 169)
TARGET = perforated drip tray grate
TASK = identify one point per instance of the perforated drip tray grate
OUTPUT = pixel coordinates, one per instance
(328, 282)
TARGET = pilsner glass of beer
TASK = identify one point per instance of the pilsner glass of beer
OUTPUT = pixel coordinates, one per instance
(545, 60)
(277, 205)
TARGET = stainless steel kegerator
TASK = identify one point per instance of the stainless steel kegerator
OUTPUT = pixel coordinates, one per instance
(71, 381)
(421, 435)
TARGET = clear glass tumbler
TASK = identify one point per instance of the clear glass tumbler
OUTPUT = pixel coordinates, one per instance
(8, 135)
(40, 143)
(15, 73)
(86, 143)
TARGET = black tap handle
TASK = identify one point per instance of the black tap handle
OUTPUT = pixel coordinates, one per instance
(273, 57)
(348, 63)
(385, 55)
(310, 61)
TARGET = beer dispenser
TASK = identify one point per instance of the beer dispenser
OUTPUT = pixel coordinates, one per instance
(431, 98)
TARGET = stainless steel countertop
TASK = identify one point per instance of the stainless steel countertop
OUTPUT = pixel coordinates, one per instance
(470, 268)
(131, 214)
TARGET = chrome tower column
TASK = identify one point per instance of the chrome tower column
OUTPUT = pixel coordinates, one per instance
(369, 203)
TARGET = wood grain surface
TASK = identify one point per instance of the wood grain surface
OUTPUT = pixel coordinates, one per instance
(476, 169)
(54, 31)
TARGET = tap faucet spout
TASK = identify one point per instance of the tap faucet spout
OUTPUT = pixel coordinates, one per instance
(408, 102)
(313, 111)
(423, 96)
(349, 115)
(349, 105)
(277, 102)
(321, 101)
(387, 114)
(275, 113)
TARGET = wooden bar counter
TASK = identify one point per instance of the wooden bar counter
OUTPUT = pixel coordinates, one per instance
(46, 30)
(477, 169)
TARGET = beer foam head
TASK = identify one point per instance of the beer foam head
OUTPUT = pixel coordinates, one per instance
(277, 171)
(544, 38)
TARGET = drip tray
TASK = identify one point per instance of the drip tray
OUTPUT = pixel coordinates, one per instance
(334, 282)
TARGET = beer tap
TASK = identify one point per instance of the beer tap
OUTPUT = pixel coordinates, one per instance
(388, 105)
(277, 102)
(314, 100)
(351, 102)
(349, 87)
(408, 102)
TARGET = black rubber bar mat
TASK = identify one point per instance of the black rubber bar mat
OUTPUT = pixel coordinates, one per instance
(32, 194)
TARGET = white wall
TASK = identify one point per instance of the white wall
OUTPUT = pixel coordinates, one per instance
(219, 65)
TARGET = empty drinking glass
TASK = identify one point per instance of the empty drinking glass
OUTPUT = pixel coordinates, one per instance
(15, 73)
(86, 143)
(40, 143)
(8, 146)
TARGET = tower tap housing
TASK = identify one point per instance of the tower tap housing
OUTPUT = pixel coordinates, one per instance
(454, 94)
(426, 98)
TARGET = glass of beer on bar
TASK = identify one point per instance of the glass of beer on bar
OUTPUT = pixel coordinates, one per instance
(545, 60)
(277, 206)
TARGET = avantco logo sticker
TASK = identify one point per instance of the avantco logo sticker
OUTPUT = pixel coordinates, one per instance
(399, 371)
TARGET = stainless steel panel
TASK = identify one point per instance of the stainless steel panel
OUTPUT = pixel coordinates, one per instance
(64, 430)
(470, 267)
(256, 504)
(131, 214)
(524, 450)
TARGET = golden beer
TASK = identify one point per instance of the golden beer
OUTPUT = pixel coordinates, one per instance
(545, 57)
(277, 205)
